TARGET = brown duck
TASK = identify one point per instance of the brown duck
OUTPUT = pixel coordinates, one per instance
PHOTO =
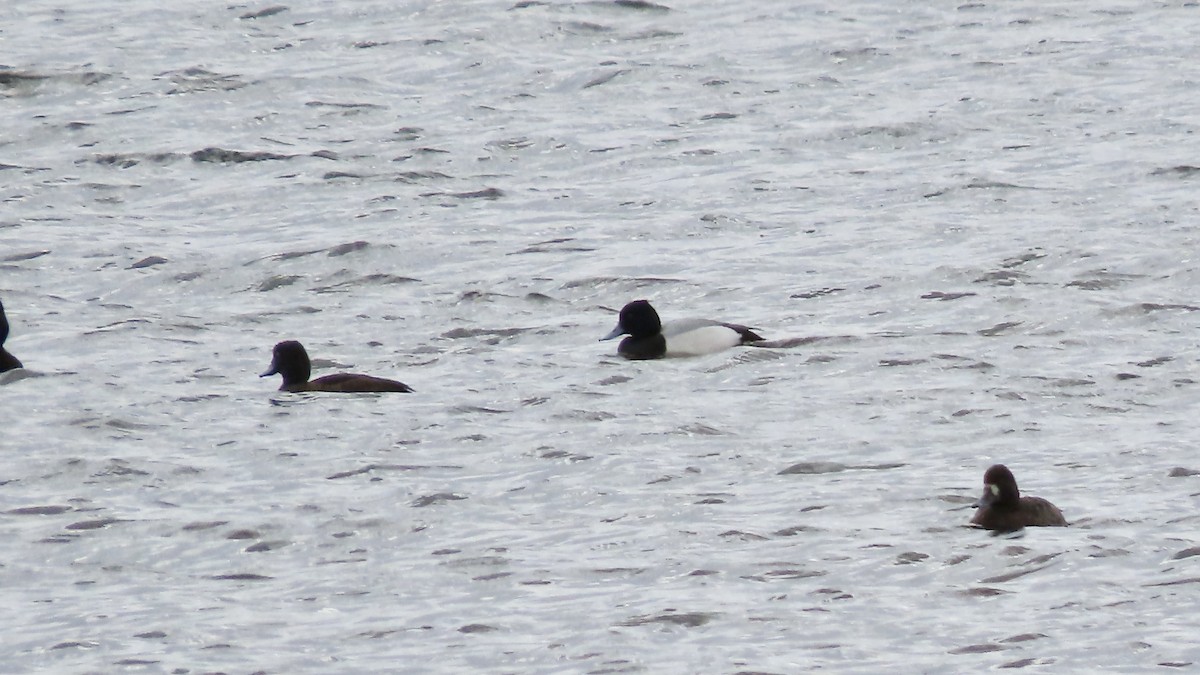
(7, 361)
(1002, 508)
(291, 361)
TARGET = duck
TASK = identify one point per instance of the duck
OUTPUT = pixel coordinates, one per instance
(1003, 509)
(290, 360)
(650, 339)
(7, 361)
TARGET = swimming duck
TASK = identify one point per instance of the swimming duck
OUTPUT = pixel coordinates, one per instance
(1002, 507)
(650, 339)
(291, 361)
(7, 361)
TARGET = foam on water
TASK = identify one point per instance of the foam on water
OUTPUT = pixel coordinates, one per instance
(968, 231)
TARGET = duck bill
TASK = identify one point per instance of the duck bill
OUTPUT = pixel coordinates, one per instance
(988, 496)
(273, 370)
(614, 333)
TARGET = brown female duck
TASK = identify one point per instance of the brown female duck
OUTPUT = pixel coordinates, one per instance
(7, 361)
(1002, 508)
(291, 361)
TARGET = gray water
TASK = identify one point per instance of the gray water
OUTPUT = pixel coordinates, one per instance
(969, 229)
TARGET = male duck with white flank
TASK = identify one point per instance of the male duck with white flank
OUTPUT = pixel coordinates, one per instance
(649, 338)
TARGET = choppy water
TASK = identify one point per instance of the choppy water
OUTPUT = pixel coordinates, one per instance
(976, 223)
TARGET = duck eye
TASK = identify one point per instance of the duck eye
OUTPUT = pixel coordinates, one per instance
(995, 489)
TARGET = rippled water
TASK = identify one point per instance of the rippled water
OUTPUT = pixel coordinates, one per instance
(970, 229)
